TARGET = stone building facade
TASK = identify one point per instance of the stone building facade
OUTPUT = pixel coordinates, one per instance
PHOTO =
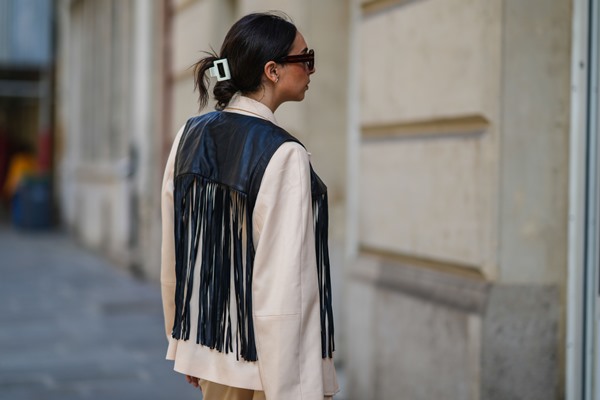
(462, 224)
(109, 125)
(442, 129)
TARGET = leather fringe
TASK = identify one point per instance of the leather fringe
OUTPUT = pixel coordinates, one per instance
(214, 215)
(321, 223)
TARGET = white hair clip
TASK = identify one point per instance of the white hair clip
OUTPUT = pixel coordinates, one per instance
(220, 69)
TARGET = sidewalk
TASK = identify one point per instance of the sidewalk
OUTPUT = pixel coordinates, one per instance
(73, 326)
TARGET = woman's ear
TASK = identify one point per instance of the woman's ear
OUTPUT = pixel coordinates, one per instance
(271, 71)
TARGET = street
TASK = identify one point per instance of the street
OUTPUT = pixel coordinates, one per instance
(73, 326)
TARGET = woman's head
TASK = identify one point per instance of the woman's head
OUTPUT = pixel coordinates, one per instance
(256, 48)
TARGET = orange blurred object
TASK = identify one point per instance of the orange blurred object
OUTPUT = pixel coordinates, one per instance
(21, 164)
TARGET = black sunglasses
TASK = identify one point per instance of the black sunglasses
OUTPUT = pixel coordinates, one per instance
(308, 58)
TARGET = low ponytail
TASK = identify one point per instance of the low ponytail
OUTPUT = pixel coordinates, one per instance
(201, 79)
(223, 91)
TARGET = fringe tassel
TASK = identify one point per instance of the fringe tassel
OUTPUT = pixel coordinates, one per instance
(321, 223)
(216, 216)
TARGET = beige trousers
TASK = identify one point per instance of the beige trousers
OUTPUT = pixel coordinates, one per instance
(216, 391)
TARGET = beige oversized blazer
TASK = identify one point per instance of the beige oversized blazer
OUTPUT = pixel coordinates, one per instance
(284, 290)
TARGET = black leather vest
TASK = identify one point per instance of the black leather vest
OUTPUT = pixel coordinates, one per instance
(219, 166)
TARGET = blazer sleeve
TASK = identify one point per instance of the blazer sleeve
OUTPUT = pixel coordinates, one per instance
(167, 264)
(285, 286)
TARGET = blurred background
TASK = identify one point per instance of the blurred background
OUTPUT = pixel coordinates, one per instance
(458, 140)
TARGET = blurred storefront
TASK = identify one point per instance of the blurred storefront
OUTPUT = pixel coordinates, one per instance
(26, 83)
(445, 131)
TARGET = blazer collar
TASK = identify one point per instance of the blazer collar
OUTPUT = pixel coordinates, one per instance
(245, 105)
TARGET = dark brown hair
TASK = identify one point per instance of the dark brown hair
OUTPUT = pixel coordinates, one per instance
(250, 43)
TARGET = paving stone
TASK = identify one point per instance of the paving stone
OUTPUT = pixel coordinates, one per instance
(73, 326)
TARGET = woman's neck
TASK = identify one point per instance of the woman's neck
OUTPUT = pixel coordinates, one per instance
(265, 96)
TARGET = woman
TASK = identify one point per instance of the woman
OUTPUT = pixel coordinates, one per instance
(245, 266)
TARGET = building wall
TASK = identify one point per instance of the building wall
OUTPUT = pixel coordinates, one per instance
(462, 224)
(107, 127)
